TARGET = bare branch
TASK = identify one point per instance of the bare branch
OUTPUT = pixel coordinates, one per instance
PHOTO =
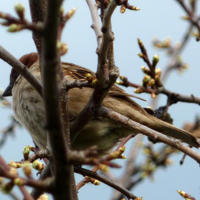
(85, 172)
(95, 19)
(51, 71)
(38, 9)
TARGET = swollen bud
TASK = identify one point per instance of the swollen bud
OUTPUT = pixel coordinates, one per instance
(119, 82)
(146, 79)
(138, 91)
(27, 169)
(70, 13)
(96, 182)
(122, 9)
(122, 149)
(62, 10)
(158, 71)
(145, 70)
(26, 152)
(19, 8)
(88, 77)
(38, 165)
(63, 49)
(185, 195)
(19, 182)
(155, 59)
(103, 168)
(134, 8)
(186, 17)
(14, 164)
(141, 55)
(151, 82)
(94, 82)
(14, 28)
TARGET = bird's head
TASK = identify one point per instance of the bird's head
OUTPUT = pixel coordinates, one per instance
(28, 60)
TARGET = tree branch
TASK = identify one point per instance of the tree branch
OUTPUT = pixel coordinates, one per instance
(51, 71)
(95, 19)
(85, 172)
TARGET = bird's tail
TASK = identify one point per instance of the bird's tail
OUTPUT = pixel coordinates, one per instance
(172, 131)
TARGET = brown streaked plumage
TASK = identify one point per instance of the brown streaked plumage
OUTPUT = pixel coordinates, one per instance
(29, 111)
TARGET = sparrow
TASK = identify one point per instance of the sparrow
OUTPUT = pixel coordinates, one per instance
(28, 107)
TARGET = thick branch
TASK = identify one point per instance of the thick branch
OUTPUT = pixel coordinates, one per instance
(107, 38)
(38, 9)
(51, 71)
(105, 77)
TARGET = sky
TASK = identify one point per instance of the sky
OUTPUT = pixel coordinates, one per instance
(156, 18)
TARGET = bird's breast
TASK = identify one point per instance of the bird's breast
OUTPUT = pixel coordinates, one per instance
(28, 109)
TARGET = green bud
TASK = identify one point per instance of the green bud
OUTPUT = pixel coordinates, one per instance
(156, 59)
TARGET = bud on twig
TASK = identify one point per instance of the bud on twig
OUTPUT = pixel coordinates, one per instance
(63, 49)
(26, 152)
(88, 77)
(103, 168)
(122, 149)
(27, 169)
(151, 82)
(158, 71)
(14, 28)
(119, 82)
(94, 82)
(14, 164)
(146, 79)
(133, 8)
(62, 10)
(70, 13)
(19, 8)
(185, 195)
(138, 91)
(122, 9)
(141, 55)
(38, 165)
(146, 70)
(155, 60)
(19, 182)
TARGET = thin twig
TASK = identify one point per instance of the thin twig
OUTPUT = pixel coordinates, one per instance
(95, 19)
(85, 172)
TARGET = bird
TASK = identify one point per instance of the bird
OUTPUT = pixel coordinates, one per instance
(28, 107)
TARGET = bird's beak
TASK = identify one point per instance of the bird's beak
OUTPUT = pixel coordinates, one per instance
(8, 91)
